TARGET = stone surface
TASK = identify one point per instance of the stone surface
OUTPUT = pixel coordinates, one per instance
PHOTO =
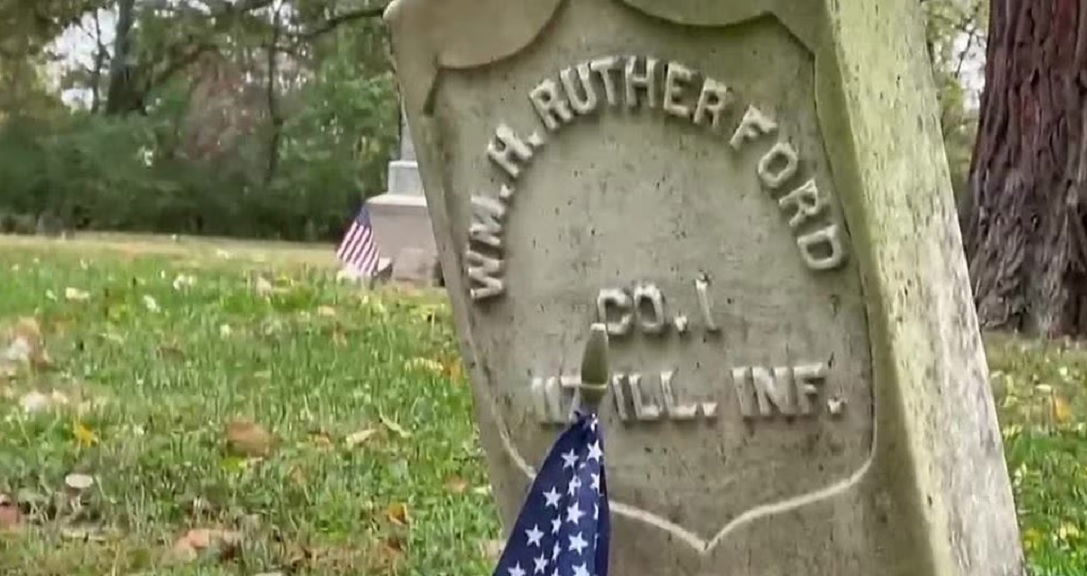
(416, 267)
(765, 224)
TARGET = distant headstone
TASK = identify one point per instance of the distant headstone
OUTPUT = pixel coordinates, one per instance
(753, 196)
(50, 225)
(399, 216)
(416, 267)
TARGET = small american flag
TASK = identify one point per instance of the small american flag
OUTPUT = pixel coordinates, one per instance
(358, 251)
(564, 526)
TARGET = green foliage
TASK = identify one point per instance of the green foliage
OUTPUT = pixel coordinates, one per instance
(955, 32)
(1042, 405)
(221, 141)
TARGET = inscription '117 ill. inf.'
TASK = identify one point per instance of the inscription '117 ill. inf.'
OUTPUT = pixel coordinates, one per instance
(760, 392)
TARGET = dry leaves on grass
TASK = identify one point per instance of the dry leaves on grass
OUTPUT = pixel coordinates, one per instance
(203, 542)
(424, 365)
(76, 295)
(34, 401)
(394, 427)
(456, 485)
(491, 550)
(11, 518)
(78, 482)
(1062, 410)
(397, 513)
(26, 345)
(360, 437)
(249, 439)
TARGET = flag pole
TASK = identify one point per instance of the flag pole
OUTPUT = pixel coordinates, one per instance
(595, 371)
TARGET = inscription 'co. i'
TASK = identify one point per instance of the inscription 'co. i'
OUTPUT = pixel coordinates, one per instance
(633, 82)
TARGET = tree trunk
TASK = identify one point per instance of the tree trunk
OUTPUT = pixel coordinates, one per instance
(1025, 222)
(274, 118)
(123, 95)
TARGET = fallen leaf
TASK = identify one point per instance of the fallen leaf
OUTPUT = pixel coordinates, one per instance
(389, 554)
(454, 370)
(85, 533)
(78, 482)
(183, 281)
(76, 295)
(34, 402)
(394, 427)
(11, 518)
(263, 286)
(171, 350)
(249, 439)
(482, 490)
(359, 437)
(424, 364)
(225, 330)
(84, 436)
(321, 439)
(326, 311)
(27, 345)
(397, 513)
(150, 303)
(1062, 411)
(491, 550)
(456, 484)
(202, 541)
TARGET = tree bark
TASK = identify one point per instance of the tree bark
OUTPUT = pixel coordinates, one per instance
(122, 95)
(274, 118)
(1024, 226)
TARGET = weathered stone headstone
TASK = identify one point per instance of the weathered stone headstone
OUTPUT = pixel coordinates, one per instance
(753, 197)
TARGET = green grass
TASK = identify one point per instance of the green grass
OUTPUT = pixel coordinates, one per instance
(150, 394)
(312, 362)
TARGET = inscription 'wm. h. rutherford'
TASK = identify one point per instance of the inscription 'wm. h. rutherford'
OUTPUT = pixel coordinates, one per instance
(635, 82)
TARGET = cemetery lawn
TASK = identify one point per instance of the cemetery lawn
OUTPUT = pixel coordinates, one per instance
(228, 408)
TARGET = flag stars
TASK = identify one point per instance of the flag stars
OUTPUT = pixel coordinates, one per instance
(541, 564)
(556, 551)
(569, 459)
(595, 453)
(552, 496)
(575, 485)
(534, 534)
(595, 483)
(517, 570)
(577, 543)
(574, 514)
(582, 570)
(556, 525)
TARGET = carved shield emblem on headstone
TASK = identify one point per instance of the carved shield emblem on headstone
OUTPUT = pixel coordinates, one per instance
(607, 163)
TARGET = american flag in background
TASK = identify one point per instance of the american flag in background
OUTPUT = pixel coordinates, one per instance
(564, 526)
(358, 250)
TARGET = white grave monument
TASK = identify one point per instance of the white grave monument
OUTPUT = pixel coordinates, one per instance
(399, 216)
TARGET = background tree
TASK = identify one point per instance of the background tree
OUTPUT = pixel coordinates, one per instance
(1025, 223)
(270, 118)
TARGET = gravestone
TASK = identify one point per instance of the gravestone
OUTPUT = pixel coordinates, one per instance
(399, 217)
(753, 197)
